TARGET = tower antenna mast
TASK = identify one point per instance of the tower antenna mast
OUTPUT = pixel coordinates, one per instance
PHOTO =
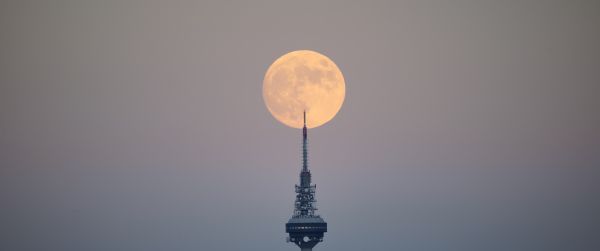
(305, 228)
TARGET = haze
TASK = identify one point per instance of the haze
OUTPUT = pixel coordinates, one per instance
(140, 125)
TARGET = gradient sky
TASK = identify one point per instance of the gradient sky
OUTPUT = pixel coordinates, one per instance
(140, 125)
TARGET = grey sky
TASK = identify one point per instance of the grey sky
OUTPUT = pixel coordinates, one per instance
(467, 125)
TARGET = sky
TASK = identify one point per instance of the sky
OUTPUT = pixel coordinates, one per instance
(140, 125)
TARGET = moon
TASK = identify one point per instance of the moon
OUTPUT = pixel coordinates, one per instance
(304, 81)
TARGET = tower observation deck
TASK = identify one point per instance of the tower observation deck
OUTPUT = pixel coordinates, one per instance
(305, 228)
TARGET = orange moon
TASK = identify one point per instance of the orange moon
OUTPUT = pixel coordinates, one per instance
(304, 81)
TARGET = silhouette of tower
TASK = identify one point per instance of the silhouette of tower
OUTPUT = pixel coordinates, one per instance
(305, 228)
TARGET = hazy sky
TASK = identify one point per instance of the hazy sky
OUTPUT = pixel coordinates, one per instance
(467, 125)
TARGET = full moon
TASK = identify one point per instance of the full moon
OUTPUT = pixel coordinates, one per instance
(304, 81)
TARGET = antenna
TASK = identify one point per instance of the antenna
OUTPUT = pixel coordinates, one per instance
(305, 228)
(304, 118)
(304, 146)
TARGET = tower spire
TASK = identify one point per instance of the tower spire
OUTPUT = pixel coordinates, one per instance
(304, 146)
(304, 118)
